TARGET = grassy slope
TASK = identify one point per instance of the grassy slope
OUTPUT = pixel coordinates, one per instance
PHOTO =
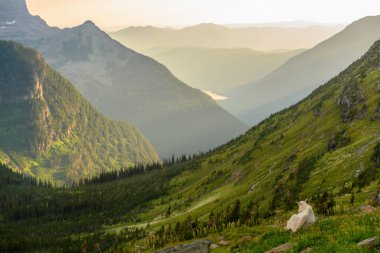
(58, 135)
(339, 233)
(254, 165)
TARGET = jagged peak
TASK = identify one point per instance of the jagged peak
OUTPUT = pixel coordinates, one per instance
(89, 24)
(11, 10)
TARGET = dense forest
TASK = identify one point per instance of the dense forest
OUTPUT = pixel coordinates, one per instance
(37, 216)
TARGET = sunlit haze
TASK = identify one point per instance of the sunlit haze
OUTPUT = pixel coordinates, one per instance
(111, 14)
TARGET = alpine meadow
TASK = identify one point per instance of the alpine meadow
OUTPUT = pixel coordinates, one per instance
(189, 127)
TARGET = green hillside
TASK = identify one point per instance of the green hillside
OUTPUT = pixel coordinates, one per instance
(47, 129)
(325, 148)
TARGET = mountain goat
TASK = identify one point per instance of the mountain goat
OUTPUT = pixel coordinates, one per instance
(304, 218)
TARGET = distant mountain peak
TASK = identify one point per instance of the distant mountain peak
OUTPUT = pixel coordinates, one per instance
(206, 26)
(89, 23)
(11, 10)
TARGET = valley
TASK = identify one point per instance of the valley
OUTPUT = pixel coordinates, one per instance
(318, 147)
(194, 139)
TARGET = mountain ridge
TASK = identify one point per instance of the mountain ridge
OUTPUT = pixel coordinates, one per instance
(219, 36)
(125, 85)
(325, 148)
(308, 70)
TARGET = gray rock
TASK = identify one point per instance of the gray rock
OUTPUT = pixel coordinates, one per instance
(224, 243)
(370, 243)
(245, 239)
(195, 247)
(214, 246)
(281, 248)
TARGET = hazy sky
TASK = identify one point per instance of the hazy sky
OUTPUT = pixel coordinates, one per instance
(111, 13)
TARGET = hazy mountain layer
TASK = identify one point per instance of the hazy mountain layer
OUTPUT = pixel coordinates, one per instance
(217, 36)
(325, 148)
(49, 130)
(125, 85)
(219, 70)
(303, 73)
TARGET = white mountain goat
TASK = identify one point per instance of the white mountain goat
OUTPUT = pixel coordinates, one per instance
(304, 218)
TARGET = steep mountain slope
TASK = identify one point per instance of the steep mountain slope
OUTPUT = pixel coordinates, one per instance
(218, 36)
(125, 85)
(49, 130)
(303, 73)
(218, 69)
(327, 143)
(325, 148)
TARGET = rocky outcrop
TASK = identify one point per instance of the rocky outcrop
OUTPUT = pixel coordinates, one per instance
(281, 248)
(195, 247)
(11, 11)
(352, 103)
(370, 243)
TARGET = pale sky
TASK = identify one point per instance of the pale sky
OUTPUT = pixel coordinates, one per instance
(118, 13)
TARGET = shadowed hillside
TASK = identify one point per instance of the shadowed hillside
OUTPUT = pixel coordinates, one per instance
(303, 73)
(125, 85)
(50, 131)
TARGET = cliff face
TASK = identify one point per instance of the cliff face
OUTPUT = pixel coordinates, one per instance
(12, 10)
(17, 24)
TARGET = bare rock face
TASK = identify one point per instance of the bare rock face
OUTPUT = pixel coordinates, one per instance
(17, 24)
(12, 10)
(352, 103)
(196, 247)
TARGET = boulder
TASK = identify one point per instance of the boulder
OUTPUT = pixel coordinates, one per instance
(195, 247)
(307, 250)
(370, 243)
(224, 243)
(281, 248)
(214, 246)
(244, 239)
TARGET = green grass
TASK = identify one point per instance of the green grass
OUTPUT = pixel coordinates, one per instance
(339, 233)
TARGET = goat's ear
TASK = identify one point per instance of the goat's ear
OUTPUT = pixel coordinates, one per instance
(305, 200)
